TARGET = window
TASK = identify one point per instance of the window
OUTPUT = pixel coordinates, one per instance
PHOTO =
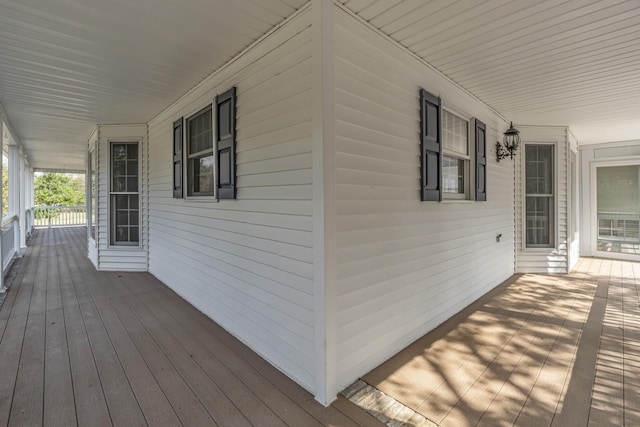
(124, 194)
(200, 154)
(92, 193)
(455, 156)
(446, 154)
(539, 195)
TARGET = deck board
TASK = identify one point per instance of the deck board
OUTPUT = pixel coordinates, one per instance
(540, 350)
(89, 348)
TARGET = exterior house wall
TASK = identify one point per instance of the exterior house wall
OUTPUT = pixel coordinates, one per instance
(592, 156)
(248, 263)
(554, 259)
(120, 258)
(403, 266)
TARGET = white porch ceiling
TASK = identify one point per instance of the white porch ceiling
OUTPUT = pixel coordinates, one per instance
(553, 62)
(66, 65)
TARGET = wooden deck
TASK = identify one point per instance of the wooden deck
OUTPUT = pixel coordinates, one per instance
(80, 347)
(541, 350)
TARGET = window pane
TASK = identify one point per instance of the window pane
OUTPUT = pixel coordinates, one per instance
(199, 132)
(122, 234)
(121, 201)
(132, 184)
(119, 151)
(132, 151)
(119, 167)
(119, 184)
(122, 217)
(455, 133)
(132, 167)
(452, 175)
(134, 234)
(203, 174)
(538, 220)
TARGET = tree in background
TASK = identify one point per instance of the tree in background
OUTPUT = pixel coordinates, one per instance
(59, 189)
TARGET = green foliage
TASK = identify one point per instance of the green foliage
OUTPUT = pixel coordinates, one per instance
(59, 189)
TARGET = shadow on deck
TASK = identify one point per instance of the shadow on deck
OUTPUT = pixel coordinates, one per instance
(92, 348)
(539, 350)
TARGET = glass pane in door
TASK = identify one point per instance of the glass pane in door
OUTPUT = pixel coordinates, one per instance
(618, 209)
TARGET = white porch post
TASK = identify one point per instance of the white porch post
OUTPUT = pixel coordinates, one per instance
(21, 243)
(30, 202)
(14, 191)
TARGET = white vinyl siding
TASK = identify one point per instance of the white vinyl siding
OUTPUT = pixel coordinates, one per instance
(248, 263)
(121, 258)
(552, 259)
(403, 266)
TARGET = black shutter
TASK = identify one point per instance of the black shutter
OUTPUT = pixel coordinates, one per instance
(481, 161)
(226, 144)
(431, 146)
(177, 159)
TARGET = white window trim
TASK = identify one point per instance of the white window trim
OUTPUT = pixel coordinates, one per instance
(141, 171)
(466, 196)
(523, 191)
(210, 198)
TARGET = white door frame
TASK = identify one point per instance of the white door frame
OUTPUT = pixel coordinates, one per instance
(594, 208)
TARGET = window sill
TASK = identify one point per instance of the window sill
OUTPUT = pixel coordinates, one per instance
(123, 248)
(458, 201)
(201, 199)
(540, 249)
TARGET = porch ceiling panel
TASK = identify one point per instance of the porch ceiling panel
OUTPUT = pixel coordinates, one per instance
(553, 62)
(66, 65)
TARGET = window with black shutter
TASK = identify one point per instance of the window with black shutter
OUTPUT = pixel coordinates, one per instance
(226, 144)
(177, 158)
(481, 161)
(431, 146)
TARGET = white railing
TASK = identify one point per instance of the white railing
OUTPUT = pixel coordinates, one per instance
(59, 216)
(28, 216)
(619, 226)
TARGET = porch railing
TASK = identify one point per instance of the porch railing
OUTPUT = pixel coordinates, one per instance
(59, 216)
(619, 226)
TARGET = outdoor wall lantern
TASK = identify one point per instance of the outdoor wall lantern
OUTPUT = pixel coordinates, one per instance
(509, 144)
